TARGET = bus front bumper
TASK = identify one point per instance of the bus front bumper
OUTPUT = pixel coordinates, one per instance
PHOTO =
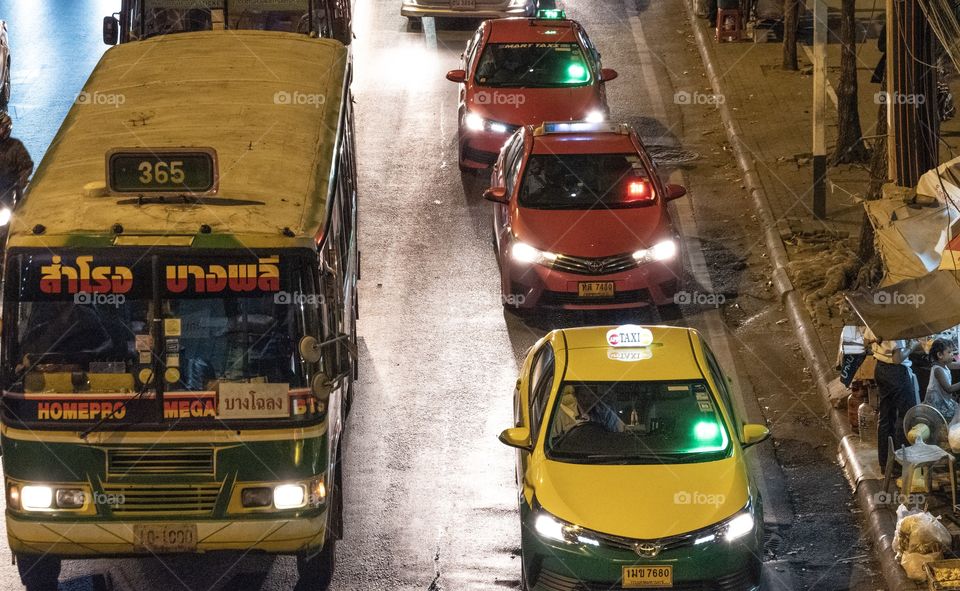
(84, 539)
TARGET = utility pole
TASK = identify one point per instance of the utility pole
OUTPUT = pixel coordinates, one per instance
(819, 109)
(913, 125)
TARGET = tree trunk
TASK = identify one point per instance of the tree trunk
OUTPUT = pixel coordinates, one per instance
(850, 147)
(871, 269)
(791, 15)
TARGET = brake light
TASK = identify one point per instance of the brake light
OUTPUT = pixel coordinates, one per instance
(639, 191)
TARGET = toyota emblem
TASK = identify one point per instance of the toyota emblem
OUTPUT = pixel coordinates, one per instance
(647, 549)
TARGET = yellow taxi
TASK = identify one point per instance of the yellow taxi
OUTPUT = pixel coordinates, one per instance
(631, 465)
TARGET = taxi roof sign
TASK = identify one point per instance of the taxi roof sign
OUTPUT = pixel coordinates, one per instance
(551, 127)
(551, 14)
(629, 335)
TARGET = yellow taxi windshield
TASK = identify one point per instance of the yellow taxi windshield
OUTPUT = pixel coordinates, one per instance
(636, 422)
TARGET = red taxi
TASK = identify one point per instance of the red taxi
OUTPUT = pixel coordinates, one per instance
(581, 220)
(519, 71)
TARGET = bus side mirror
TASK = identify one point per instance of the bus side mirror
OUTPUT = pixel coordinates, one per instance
(111, 30)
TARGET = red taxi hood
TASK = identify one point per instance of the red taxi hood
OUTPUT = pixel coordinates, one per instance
(591, 233)
(533, 106)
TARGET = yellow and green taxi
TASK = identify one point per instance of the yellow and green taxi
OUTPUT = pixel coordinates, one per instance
(631, 465)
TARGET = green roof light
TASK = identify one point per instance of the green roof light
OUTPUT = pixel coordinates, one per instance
(551, 14)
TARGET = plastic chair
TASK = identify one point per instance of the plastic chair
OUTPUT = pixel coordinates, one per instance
(917, 456)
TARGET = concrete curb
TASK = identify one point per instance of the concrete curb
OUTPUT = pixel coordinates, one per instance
(879, 518)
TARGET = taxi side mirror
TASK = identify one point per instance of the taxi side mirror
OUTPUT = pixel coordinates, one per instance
(111, 30)
(608, 74)
(675, 191)
(458, 76)
(496, 194)
(753, 434)
(518, 437)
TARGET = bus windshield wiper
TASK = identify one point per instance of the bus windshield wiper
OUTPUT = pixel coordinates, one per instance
(186, 200)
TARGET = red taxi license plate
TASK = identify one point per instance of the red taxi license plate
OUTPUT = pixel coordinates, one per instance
(643, 577)
(596, 289)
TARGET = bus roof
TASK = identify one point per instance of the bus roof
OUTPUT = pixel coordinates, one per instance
(269, 103)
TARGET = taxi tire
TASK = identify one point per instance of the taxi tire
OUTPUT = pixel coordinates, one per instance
(316, 572)
(414, 23)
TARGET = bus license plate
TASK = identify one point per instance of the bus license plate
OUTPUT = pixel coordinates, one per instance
(463, 4)
(596, 289)
(641, 577)
(180, 537)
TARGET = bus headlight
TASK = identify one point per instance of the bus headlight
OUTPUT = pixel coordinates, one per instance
(70, 498)
(36, 498)
(289, 496)
(5, 215)
(259, 496)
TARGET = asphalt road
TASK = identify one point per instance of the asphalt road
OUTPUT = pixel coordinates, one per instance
(431, 502)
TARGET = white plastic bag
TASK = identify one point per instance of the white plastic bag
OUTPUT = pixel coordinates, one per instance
(953, 433)
(912, 563)
(921, 533)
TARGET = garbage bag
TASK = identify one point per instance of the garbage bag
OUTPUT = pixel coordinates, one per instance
(912, 563)
(921, 533)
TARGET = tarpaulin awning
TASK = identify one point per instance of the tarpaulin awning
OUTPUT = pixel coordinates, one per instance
(912, 308)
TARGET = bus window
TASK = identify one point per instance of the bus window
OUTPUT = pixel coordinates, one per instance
(163, 17)
(291, 16)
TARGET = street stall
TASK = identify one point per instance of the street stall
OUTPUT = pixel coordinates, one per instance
(916, 303)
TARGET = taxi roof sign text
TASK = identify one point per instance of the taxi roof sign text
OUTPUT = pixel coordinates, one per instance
(629, 335)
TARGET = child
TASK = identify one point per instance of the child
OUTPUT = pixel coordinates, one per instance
(940, 389)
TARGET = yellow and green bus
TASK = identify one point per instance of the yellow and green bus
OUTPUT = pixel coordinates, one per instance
(179, 307)
(143, 19)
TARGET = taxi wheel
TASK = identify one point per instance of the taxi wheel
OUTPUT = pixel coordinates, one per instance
(414, 23)
(316, 572)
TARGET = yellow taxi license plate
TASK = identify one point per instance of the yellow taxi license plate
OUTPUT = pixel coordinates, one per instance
(173, 537)
(641, 577)
(596, 289)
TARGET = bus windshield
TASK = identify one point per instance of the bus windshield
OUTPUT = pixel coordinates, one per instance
(163, 17)
(75, 326)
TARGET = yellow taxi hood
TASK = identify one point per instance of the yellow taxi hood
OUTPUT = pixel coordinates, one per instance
(646, 502)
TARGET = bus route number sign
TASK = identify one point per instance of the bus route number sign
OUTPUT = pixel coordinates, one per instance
(192, 170)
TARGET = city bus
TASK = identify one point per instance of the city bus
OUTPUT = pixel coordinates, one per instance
(179, 304)
(142, 19)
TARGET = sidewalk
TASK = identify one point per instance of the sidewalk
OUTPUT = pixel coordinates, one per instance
(766, 113)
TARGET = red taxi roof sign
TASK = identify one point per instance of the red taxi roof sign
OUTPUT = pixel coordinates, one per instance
(629, 335)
